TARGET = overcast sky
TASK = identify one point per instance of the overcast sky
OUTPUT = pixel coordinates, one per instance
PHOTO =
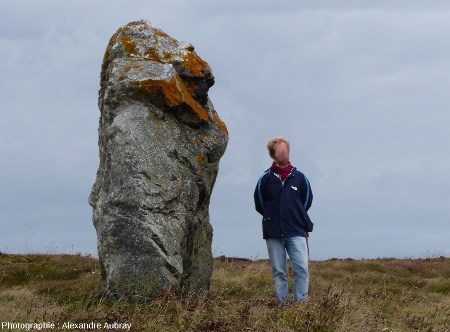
(361, 91)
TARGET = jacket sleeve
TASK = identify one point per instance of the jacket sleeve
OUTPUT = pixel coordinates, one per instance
(308, 195)
(256, 196)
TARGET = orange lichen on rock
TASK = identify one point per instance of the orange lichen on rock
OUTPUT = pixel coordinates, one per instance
(203, 138)
(196, 141)
(167, 56)
(152, 53)
(129, 45)
(189, 100)
(107, 55)
(220, 123)
(111, 42)
(191, 87)
(194, 64)
(175, 93)
(200, 158)
(133, 24)
(160, 34)
(128, 68)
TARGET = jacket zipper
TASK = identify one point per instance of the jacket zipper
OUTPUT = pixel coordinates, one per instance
(282, 186)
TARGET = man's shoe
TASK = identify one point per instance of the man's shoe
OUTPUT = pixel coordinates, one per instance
(286, 303)
(299, 301)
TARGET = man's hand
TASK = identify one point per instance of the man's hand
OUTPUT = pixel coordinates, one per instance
(307, 234)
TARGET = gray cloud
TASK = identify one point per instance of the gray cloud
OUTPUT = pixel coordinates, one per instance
(359, 89)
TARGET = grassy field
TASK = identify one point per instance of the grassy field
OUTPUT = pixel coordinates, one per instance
(385, 294)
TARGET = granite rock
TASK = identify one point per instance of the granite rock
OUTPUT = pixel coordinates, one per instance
(160, 142)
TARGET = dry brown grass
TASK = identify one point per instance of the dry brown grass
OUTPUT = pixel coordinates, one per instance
(344, 295)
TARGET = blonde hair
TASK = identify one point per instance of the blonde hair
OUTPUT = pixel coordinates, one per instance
(272, 142)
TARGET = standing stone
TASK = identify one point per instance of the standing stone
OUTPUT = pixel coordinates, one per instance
(160, 143)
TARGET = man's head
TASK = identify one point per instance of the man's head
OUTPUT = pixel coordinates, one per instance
(279, 150)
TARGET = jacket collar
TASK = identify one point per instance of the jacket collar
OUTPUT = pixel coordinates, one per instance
(293, 169)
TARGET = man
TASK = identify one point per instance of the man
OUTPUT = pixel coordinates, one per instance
(283, 196)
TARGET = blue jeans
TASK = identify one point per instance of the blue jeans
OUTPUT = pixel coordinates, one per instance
(297, 250)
